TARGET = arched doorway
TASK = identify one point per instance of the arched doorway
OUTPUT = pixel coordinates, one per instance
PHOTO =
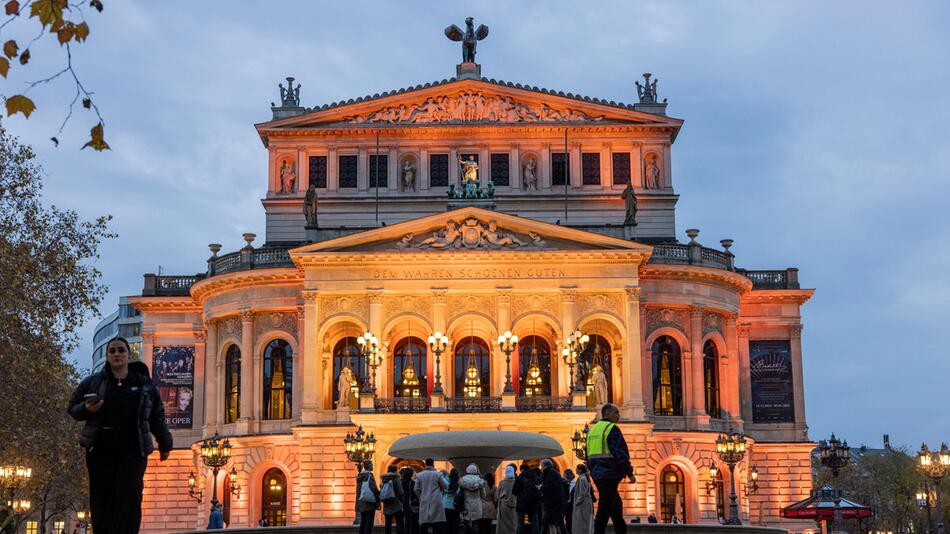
(596, 353)
(667, 377)
(472, 368)
(274, 498)
(346, 353)
(409, 368)
(534, 362)
(672, 494)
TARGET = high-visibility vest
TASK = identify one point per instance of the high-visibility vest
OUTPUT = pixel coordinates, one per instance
(597, 446)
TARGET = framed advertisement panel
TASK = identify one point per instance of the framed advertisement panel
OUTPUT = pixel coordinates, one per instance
(773, 391)
(173, 372)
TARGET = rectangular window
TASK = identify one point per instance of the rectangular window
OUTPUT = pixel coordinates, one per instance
(621, 173)
(439, 170)
(773, 391)
(348, 170)
(560, 162)
(32, 527)
(318, 171)
(59, 527)
(590, 168)
(379, 164)
(499, 169)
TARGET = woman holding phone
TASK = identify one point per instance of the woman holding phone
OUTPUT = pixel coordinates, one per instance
(122, 409)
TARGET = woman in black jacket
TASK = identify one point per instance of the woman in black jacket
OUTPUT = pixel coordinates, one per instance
(552, 498)
(122, 410)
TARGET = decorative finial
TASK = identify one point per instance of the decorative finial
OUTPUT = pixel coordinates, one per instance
(647, 91)
(469, 38)
(215, 248)
(692, 233)
(249, 238)
(289, 97)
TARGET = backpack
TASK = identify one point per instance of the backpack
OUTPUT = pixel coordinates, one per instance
(387, 493)
(459, 501)
(366, 493)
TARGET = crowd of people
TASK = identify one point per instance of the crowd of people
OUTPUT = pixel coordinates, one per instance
(527, 500)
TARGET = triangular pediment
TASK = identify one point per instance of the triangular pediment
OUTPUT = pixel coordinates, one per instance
(470, 229)
(469, 102)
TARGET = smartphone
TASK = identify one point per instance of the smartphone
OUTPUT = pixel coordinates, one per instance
(93, 396)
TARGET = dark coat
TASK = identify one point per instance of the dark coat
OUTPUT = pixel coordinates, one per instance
(151, 412)
(618, 465)
(552, 493)
(529, 499)
(366, 477)
(394, 506)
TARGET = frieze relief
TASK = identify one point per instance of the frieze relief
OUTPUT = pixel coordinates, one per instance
(419, 304)
(229, 327)
(658, 318)
(472, 106)
(332, 305)
(265, 322)
(541, 302)
(460, 304)
(608, 302)
(471, 233)
(712, 322)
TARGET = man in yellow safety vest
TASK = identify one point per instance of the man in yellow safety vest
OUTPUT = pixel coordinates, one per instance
(609, 463)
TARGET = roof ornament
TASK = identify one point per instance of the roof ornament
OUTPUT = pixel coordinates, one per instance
(289, 97)
(469, 38)
(647, 91)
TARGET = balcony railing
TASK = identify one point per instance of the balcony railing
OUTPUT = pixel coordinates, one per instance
(543, 404)
(250, 258)
(169, 285)
(692, 254)
(402, 404)
(785, 279)
(473, 404)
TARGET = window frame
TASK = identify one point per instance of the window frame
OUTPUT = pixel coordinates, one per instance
(269, 412)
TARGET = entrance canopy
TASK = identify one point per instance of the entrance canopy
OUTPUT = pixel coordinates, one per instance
(821, 507)
(484, 448)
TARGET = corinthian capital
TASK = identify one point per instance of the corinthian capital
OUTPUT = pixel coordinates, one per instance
(633, 293)
(795, 330)
(246, 315)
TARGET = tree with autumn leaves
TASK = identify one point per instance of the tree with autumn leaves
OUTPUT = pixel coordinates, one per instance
(50, 287)
(47, 18)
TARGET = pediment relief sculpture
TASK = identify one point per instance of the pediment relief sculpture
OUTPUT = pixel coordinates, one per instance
(471, 233)
(472, 107)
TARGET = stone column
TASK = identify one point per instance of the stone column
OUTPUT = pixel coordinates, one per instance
(568, 299)
(454, 166)
(798, 378)
(632, 371)
(393, 169)
(438, 322)
(248, 383)
(695, 395)
(544, 167)
(202, 369)
(636, 166)
(212, 395)
(667, 169)
(312, 373)
(575, 173)
(606, 165)
(303, 169)
(362, 168)
(745, 380)
(484, 164)
(300, 366)
(729, 396)
(375, 297)
(422, 178)
(646, 366)
(333, 174)
(272, 172)
(514, 167)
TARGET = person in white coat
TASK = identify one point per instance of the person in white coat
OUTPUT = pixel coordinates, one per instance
(473, 490)
(582, 520)
(429, 487)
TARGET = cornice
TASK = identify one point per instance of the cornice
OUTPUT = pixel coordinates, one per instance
(764, 296)
(690, 273)
(208, 287)
(357, 258)
(165, 304)
(337, 130)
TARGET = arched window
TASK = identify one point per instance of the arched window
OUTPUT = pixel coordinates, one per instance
(274, 498)
(672, 494)
(472, 368)
(232, 384)
(667, 377)
(534, 364)
(597, 353)
(720, 496)
(409, 367)
(711, 378)
(278, 379)
(346, 353)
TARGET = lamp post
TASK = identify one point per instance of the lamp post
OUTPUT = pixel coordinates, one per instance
(215, 453)
(574, 346)
(359, 447)
(835, 454)
(731, 449)
(83, 517)
(11, 478)
(369, 348)
(579, 442)
(438, 342)
(507, 343)
(925, 498)
(935, 466)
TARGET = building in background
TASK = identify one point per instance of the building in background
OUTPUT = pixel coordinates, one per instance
(124, 322)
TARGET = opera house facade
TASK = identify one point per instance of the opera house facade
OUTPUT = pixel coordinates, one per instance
(471, 207)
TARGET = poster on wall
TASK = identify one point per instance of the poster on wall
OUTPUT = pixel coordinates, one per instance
(173, 372)
(773, 393)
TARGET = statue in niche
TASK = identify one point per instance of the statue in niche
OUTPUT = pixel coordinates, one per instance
(469, 169)
(288, 177)
(529, 177)
(599, 378)
(344, 388)
(310, 206)
(630, 203)
(651, 174)
(408, 175)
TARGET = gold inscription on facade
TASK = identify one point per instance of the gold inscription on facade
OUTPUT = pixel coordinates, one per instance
(468, 273)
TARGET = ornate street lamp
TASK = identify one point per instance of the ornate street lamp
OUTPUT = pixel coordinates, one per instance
(712, 482)
(194, 492)
(574, 346)
(369, 348)
(215, 453)
(507, 343)
(926, 499)
(579, 442)
(835, 454)
(935, 466)
(438, 342)
(11, 478)
(752, 485)
(731, 449)
(359, 447)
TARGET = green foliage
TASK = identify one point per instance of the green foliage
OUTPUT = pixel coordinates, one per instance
(67, 22)
(49, 288)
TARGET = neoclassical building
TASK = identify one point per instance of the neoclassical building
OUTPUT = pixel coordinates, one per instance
(472, 207)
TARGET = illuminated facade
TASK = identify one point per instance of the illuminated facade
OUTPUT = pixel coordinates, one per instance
(385, 242)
